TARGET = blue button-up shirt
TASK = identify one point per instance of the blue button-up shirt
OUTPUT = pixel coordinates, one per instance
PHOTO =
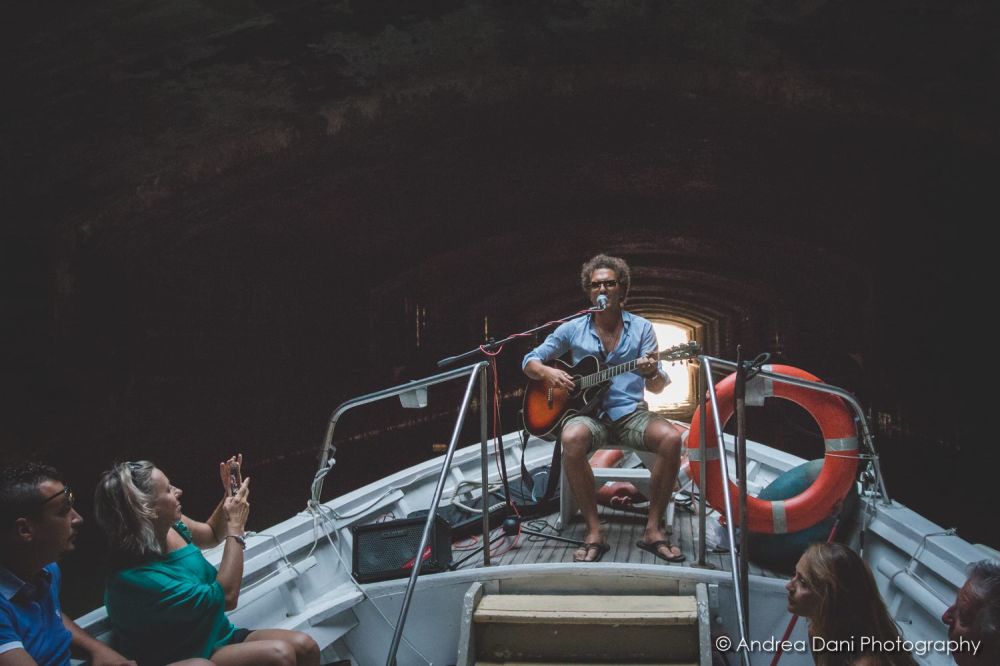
(579, 337)
(31, 618)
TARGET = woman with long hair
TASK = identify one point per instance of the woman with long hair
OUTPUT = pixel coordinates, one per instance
(165, 601)
(849, 624)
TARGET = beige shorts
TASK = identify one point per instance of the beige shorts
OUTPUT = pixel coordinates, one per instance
(626, 433)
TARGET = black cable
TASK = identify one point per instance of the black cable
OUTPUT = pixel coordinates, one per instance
(539, 525)
(456, 564)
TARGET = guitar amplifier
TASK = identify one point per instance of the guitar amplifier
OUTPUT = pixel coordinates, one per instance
(388, 550)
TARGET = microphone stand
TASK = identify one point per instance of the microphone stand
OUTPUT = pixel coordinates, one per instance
(492, 346)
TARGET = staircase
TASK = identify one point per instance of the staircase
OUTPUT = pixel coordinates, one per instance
(547, 629)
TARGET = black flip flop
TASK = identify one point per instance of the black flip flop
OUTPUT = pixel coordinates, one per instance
(601, 548)
(654, 548)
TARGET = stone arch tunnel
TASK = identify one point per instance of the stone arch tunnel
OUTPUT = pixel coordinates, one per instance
(225, 219)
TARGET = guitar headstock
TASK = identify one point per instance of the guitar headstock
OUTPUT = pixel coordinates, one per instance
(682, 352)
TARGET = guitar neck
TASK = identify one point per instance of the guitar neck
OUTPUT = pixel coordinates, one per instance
(607, 374)
(678, 353)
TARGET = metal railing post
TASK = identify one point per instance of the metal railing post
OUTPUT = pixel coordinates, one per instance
(483, 434)
(724, 466)
(432, 512)
(702, 472)
(741, 471)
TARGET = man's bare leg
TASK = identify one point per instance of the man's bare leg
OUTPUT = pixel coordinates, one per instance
(663, 439)
(575, 446)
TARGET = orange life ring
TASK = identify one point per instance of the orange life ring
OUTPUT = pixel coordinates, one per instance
(818, 501)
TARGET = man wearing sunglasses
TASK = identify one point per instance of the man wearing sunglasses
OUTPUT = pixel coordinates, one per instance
(622, 419)
(38, 524)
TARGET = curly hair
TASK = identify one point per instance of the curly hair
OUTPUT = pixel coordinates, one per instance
(123, 506)
(850, 604)
(19, 492)
(617, 264)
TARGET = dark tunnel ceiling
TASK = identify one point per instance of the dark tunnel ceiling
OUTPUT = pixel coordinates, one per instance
(672, 107)
(749, 157)
(233, 209)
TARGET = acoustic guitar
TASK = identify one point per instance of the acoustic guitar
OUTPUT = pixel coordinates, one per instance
(545, 409)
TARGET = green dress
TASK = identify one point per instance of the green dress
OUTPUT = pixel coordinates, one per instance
(169, 608)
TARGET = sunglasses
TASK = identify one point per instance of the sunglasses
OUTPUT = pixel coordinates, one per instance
(67, 491)
(610, 284)
(32, 508)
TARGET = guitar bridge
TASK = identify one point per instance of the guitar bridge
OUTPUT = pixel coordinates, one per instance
(549, 395)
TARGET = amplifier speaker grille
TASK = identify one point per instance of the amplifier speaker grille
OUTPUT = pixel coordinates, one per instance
(388, 550)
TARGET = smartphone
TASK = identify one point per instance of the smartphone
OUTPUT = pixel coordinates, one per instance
(235, 478)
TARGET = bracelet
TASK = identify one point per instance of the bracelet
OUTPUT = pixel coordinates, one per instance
(239, 539)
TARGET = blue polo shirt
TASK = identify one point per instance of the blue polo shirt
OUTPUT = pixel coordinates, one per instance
(31, 618)
(579, 337)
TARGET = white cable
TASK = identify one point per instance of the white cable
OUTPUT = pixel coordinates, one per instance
(357, 512)
(323, 511)
(478, 484)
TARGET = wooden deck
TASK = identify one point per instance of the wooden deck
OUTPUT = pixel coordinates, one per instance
(623, 529)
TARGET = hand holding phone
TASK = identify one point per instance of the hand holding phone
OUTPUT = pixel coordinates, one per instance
(231, 473)
(235, 478)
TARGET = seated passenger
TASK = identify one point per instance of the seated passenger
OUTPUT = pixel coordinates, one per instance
(164, 599)
(974, 619)
(835, 590)
(38, 524)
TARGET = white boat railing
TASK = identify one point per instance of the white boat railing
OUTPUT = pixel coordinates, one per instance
(474, 372)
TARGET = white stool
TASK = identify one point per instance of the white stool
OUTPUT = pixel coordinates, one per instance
(637, 476)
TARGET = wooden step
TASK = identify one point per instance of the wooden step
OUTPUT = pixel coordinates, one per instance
(644, 629)
(586, 609)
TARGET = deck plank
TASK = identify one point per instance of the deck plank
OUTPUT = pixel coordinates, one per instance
(623, 529)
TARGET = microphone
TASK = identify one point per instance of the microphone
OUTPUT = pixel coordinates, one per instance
(602, 302)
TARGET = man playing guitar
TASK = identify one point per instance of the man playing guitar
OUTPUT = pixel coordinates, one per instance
(622, 418)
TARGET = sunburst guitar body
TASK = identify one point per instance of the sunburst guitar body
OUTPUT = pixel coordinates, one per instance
(545, 409)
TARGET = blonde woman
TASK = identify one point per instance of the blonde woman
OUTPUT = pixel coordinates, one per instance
(164, 600)
(848, 622)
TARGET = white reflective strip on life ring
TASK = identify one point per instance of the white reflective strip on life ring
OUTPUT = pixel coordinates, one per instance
(841, 444)
(778, 518)
(759, 388)
(711, 453)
